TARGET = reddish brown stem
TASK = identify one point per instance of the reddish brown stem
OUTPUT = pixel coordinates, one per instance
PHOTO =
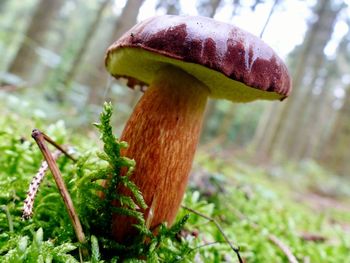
(163, 133)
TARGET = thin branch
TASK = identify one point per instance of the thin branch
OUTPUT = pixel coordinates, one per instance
(48, 139)
(40, 140)
(206, 245)
(198, 248)
(274, 239)
(236, 250)
(268, 18)
(286, 250)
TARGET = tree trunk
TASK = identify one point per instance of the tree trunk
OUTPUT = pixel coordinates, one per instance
(302, 113)
(208, 114)
(236, 7)
(282, 142)
(3, 5)
(277, 137)
(334, 152)
(85, 43)
(97, 79)
(337, 155)
(208, 7)
(262, 141)
(224, 128)
(172, 7)
(321, 107)
(35, 37)
(313, 131)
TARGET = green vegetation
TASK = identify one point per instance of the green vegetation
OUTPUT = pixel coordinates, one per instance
(264, 212)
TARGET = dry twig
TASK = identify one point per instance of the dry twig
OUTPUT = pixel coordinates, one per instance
(286, 250)
(235, 249)
(313, 237)
(274, 239)
(40, 139)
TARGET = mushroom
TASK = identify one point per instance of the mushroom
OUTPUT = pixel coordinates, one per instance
(184, 61)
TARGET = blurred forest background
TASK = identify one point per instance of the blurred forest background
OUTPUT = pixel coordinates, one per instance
(266, 170)
(52, 67)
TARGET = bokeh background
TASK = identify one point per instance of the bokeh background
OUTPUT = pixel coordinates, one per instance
(52, 68)
(276, 175)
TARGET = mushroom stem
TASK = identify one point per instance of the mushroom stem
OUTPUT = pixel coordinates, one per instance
(163, 133)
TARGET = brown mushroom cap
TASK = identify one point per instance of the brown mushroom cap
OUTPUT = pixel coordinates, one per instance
(231, 62)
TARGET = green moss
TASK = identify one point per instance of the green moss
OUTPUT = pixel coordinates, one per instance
(250, 204)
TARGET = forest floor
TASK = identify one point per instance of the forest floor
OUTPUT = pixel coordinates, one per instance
(275, 213)
(302, 202)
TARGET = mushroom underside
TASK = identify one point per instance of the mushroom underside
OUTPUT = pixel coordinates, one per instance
(143, 65)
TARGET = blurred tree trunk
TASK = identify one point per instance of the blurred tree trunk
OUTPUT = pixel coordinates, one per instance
(334, 151)
(85, 43)
(3, 5)
(319, 116)
(302, 114)
(321, 106)
(208, 7)
(337, 155)
(172, 7)
(236, 7)
(127, 18)
(222, 132)
(255, 4)
(328, 119)
(284, 117)
(262, 139)
(35, 36)
(65, 45)
(97, 79)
